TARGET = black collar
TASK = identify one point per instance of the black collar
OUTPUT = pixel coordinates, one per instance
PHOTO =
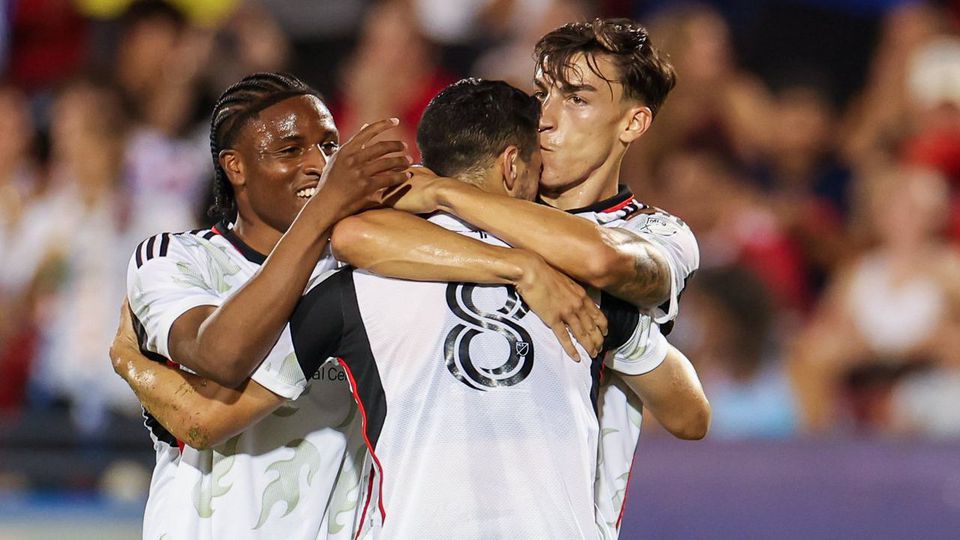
(252, 255)
(623, 195)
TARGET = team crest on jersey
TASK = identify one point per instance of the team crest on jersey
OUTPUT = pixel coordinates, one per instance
(504, 321)
(659, 223)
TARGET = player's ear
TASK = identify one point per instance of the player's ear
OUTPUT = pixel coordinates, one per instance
(230, 161)
(637, 121)
(511, 172)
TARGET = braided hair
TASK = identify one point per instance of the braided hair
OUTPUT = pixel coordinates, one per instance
(236, 106)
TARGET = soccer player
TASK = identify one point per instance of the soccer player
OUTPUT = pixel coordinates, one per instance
(271, 139)
(600, 86)
(255, 464)
(421, 348)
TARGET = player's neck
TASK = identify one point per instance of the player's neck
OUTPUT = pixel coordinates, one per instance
(601, 184)
(257, 234)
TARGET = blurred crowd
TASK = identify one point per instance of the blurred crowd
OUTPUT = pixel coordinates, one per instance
(813, 146)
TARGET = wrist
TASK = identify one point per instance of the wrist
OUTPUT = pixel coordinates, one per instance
(449, 194)
(526, 266)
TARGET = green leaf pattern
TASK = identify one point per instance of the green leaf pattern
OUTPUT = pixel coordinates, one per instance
(346, 493)
(286, 487)
(215, 465)
(210, 274)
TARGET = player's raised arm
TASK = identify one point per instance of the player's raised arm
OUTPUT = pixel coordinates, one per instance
(398, 244)
(616, 260)
(225, 343)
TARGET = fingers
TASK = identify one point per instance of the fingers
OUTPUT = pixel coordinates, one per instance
(368, 132)
(581, 334)
(599, 319)
(398, 163)
(560, 330)
(593, 339)
(380, 149)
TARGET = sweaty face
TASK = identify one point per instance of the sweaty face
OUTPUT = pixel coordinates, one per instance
(580, 122)
(283, 151)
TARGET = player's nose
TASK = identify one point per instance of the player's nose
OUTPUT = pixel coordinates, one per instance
(314, 160)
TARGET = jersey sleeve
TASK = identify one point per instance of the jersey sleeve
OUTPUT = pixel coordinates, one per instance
(316, 326)
(643, 352)
(165, 280)
(634, 343)
(676, 242)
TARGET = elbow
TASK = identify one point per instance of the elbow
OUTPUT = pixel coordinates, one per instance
(229, 368)
(348, 234)
(643, 280)
(606, 267)
(204, 431)
(694, 425)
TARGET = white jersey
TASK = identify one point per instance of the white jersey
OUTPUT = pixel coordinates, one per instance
(620, 409)
(293, 475)
(478, 423)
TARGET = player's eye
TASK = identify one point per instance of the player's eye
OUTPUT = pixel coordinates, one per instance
(330, 147)
(540, 95)
(577, 100)
(290, 151)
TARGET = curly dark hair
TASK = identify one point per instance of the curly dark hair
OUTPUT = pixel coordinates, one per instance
(236, 106)
(645, 73)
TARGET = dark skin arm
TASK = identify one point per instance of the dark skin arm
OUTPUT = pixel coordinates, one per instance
(195, 410)
(206, 339)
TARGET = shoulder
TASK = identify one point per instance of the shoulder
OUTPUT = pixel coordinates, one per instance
(172, 245)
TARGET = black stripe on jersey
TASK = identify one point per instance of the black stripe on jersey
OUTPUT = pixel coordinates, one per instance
(622, 320)
(208, 235)
(139, 254)
(149, 250)
(327, 323)
(164, 244)
(149, 421)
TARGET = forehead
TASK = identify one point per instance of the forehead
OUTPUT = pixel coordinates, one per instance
(294, 116)
(581, 69)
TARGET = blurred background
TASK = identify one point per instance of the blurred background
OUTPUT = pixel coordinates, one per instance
(812, 145)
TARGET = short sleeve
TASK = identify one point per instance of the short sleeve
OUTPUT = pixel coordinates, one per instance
(164, 281)
(643, 351)
(316, 325)
(676, 242)
(280, 372)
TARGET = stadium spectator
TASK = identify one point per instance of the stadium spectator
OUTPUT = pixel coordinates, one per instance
(891, 312)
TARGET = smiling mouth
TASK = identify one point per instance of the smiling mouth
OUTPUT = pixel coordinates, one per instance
(306, 193)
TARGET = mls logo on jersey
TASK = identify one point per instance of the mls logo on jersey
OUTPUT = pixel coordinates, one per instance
(502, 322)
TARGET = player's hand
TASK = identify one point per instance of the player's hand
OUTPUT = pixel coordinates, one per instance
(360, 171)
(419, 194)
(125, 342)
(564, 306)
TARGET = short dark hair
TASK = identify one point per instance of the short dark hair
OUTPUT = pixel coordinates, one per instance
(644, 72)
(236, 106)
(472, 121)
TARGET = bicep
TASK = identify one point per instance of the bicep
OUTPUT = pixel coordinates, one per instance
(183, 337)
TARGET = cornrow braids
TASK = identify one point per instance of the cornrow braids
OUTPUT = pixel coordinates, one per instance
(238, 104)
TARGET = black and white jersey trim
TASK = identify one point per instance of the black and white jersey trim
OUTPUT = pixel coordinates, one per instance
(155, 246)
